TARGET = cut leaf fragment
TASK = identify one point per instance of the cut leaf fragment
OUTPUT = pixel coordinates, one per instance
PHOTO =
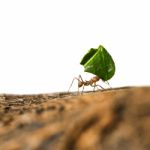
(99, 62)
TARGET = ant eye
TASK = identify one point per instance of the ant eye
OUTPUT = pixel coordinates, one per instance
(99, 62)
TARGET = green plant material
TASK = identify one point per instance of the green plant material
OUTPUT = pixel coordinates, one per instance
(99, 62)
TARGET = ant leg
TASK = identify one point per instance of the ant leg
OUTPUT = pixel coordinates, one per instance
(72, 83)
(107, 83)
(82, 89)
(100, 86)
(93, 86)
(96, 85)
(78, 90)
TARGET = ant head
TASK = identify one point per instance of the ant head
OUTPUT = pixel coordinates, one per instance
(80, 84)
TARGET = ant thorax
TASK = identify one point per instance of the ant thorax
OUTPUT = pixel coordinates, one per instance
(86, 83)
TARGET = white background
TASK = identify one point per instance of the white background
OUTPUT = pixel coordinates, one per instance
(43, 41)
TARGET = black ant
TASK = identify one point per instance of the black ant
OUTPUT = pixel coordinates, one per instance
(91, 82)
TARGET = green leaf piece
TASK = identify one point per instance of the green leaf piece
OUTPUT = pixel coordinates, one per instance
(99, 62)
(88, 55)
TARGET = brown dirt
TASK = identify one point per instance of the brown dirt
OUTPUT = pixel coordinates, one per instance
(115, 119)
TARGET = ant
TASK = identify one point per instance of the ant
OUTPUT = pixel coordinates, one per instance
(91, 82)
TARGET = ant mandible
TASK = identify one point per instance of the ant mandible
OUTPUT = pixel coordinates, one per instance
(91, 82)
